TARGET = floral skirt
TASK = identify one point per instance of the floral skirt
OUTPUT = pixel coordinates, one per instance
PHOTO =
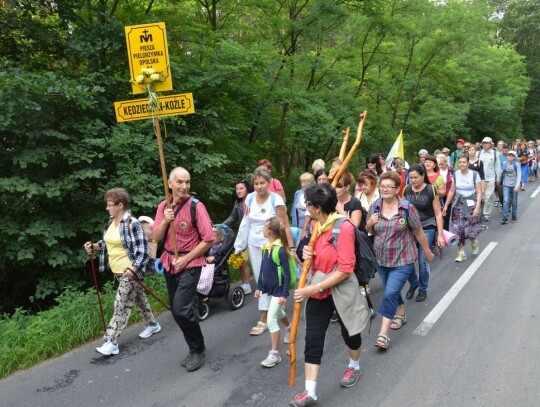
(465, 228)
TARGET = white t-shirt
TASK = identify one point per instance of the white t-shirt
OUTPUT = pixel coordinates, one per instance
(444, 175)
(258, 213)
(465, 182)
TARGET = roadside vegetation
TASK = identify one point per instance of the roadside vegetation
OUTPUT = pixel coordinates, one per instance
(275, 79)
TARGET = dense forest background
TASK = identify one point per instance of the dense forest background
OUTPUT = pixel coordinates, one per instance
(276, 79)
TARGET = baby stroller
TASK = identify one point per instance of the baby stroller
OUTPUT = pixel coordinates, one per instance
(215, 281)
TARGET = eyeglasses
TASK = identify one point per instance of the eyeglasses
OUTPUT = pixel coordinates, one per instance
(111, 205)
(387, 188)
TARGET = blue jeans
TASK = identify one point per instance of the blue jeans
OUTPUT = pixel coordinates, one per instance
(393, 279)
(423, 266)
(510, 198)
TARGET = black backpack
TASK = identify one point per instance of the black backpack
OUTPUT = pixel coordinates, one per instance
(366, 261)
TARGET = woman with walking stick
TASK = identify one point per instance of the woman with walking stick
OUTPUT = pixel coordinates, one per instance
(333, 287)
(123, 249)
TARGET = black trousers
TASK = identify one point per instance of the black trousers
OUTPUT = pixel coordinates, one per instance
(182, 289)
(318, 314)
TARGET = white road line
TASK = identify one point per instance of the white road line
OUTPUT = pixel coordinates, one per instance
(445, 302)
(536, 192)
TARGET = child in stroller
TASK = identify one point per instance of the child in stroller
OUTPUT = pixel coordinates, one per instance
(215, 276)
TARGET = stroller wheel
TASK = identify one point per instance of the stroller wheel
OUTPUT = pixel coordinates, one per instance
(203, 310)
(236, 297)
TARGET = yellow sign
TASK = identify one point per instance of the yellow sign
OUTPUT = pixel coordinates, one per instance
(138, 109)
(148, 55)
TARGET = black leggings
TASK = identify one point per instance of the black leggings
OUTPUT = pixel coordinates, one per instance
(318, 314)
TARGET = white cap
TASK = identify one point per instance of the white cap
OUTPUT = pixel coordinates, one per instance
(513, 153)
(487, 140)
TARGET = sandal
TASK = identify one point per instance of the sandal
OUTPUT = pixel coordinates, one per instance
(398, 321)
(258, 329)
(383, 341)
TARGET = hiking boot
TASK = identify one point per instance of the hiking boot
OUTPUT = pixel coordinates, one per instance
(272, 359)
(422, 295)
(184, 361)
(195, 361)
(475, 248)
(461, 256)
(247, 288)
(150, 330)
(303, 400)
(410, 292)
(504, 221)
(350, 377)
(108, 348)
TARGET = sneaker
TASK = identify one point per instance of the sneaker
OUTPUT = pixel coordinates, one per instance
(461, 256)
(195, 360)
(334, 317)
(272, 359)
(504, 221)
(514, 220)
(150, 330)
(303, 400)
(246, 288)
(287, 337)
(475, 248)
(496, 203)
(108, 348)
(350, 377)
(486, 218)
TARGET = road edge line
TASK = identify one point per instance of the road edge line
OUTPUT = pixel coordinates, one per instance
(453, 292)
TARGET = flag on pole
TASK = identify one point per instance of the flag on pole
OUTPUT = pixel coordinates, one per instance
(396, 150)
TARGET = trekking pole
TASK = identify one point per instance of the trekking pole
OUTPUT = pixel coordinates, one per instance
(150, 292)
(97, 288)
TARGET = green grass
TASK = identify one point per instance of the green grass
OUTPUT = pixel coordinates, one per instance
(28, 339)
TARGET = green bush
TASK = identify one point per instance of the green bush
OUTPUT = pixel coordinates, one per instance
(28, 339)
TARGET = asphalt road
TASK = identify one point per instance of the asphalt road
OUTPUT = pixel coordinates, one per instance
(473, 342)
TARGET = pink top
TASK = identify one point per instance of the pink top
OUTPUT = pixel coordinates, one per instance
(327, 256)
(275, 185)
(187, 236)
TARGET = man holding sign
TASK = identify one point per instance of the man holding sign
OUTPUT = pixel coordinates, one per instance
(183, 258)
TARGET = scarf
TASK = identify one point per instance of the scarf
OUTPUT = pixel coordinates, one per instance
(269, 246)
(329, 222)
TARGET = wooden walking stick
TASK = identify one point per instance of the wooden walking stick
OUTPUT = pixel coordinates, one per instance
(154, 104)
(344, 144)
(307, 264)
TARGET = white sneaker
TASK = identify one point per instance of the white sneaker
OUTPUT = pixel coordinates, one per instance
(247, 289)
(287, 337)
(273, 359)
(108, 348)
(150, 330)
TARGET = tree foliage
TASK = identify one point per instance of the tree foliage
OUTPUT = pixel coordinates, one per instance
(273, 78)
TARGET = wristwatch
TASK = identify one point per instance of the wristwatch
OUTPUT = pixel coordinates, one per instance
(320, 288)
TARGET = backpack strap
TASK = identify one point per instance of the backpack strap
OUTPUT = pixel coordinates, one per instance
(275, 259)
(336, 228)
(251, 196)
(193, 211)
